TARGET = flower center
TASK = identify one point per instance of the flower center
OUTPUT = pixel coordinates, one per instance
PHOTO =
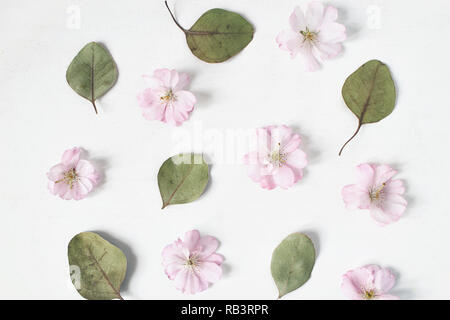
(70, 177)
(376, 194)
(169, 96)
(369, 294)
(309, 35)
(277, 158)
(191, 263)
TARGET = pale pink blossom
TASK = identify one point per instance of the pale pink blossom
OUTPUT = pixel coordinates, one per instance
(376, 191)
(278, 160)
(368, 283)
(315, 34)
(166, 99)
(193, 262)
(73, 178)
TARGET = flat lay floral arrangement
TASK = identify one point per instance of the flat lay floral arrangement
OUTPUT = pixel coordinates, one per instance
(193, 262)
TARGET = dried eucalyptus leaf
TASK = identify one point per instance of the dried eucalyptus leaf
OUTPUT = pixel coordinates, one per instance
(369, 93)
(217, 35)
(92, 72)
(97, 267)
(292, 263)
(182, 178)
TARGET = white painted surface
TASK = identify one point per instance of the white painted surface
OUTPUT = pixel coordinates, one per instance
(40, 117)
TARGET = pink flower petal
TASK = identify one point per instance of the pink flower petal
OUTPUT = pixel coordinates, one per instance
(169, 116)
(174, 78)
(173, 253)
(355, 197)
(297, 20)
(296, 160)
(181, 279)
(172, 269)
(85, 169)
(210, 272)
(57, 172)
(215, 258)
(188, 282)
(365, 175)
(289, 40)
(284, 177)
(148, 98)
(394, 187)
(206, 246)
(330, 15)
(70, 157)
(332, 32)
(185, 100)
(183, 82)
(393, 206)
(384, 280)
(314, 15)
(191, 239)
(267, 182)
(380, 216)
(310, 61)
(328, 50)
(382, 174)
(350, 289)
(86, 183)
(68, 194)
(371, 278)
(156, 112)
(164, 75)
(58, 188)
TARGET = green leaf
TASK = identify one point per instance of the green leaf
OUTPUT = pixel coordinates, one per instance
(217, 35)
(92, 72)
(182, 178)
(292, 263)
(369, 93)
(97, 267)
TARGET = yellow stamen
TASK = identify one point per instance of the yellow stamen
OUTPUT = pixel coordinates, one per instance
(369, 294)
(376, 195)
(168, 97)
(309, 35)
(70, 177)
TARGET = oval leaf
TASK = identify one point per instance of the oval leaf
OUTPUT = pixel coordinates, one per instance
(97, 267)
(182, 178)
(369, 93)
(292, 263)
(217, 35)
(92, 72)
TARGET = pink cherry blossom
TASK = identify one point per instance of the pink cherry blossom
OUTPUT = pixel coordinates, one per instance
(376, 191)
(368, 283)
(314, 35)
(73, 178)
(278, 160)
(193, 262)
(166, 100)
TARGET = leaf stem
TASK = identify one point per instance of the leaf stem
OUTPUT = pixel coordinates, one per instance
(175, 20)
(95, 107)
(356, 132)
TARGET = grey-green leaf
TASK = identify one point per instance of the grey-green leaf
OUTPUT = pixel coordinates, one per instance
(217, 35)
(92, 72)
(182, 178)
(369, 93)
(97, 268)
(292, 263)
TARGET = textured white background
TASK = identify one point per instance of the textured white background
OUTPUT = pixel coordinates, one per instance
(40, 117)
